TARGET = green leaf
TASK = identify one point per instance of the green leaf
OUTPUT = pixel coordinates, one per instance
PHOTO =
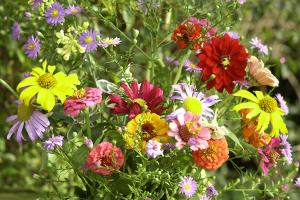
(232, 136)
(44, 161)
(128, 17)
(79, 156)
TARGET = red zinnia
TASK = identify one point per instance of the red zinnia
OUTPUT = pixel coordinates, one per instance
(225, 59)
(104, 158)
(146, 96)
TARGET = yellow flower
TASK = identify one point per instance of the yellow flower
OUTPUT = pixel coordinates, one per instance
(47, 86)
(263, 108)
(145, 127)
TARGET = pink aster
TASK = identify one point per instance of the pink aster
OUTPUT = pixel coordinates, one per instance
(81, 99)
(187, 129)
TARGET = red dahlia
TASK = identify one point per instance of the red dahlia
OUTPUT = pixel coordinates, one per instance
(139, 98)
(223, 59)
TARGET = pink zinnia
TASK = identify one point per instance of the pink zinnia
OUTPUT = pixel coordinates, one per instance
(81, 99)
(187, 129)
(104, 158)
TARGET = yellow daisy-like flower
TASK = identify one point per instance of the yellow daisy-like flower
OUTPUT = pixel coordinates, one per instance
(145, 127)
(47, 86)
(265, 109)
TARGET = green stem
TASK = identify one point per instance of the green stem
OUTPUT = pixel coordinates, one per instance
(9, 88)
(88, 123)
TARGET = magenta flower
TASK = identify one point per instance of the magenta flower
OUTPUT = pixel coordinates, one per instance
(88, 40)
(53, 142)
(257, 44)
(15, 29)
(153, 149)
(32, 47)
(55, 14)
(188, 186)
(73, 10)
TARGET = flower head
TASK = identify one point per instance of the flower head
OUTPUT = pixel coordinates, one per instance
(32, 47)
(286, 149)
(53, 142)
(88, 40)
(257, 44)
(187, 129)
(242, 1)
(145, 127)
(138, 98)
(47, 85)
(73, 10)
(263, 108)
(297, 182)
(36, 3)
(88, 142)
(15, 29)
(153, 149)
(204, 197)
(212, 157)
(191, 67)
(110, 41)
(55, 14)
(104, 158)
(34, 122)
(87, 97)
(222, 65)
(188, 186)
(282, 103)
(233, 34)
(211, 191)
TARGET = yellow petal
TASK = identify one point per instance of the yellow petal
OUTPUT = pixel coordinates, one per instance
(37, 72)
(44, 64)
(261, 120)
(246, 105)
(27, 94)
(279, 111)
(266, 122)
(59, 93)
(253, 113)
(50, 103)
(72, 80)
(59, 76)
(275, 127)
(30, 81)
(246, 94)
(259, 94)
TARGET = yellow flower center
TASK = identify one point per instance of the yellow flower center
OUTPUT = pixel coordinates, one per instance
(193, 127)
(74, 11)
(141, 102)
(88, 39)
(268, 104)
(54, 13)
(192, 65)
(193, 105)
(24, 112)
(187, 187)
(225, 61)
(47, 81)
(31, 46)
(79, 93)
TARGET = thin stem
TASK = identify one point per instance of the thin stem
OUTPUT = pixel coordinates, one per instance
(7, 86)
(88, 123)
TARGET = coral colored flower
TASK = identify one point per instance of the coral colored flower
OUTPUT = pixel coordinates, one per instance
(87, 97)
(195, 102)
(188, 34)
(297, 182)
(212, 157)
(262, 75)
(34, 122)
(47, 86)
(53, 142)
(88, 40)
(188, 186)
(73, 10)
(222, 65)
(263, 108)
(257, 44)
(139, 97)
(15, 29)
(145, 127)
(55, 14)
(187, 129)
(32, 47)
(269, 155)
(104, 158)
(282, 103)
(153, 149)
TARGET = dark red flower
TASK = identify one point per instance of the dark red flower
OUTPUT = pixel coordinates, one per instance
(146, 96)
(224, 59)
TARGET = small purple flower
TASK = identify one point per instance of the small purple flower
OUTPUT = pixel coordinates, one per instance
(286, 151)
(110, 41)
(32, 47)
(88, 40)
(257, 44)
(53, 142)
(191, 67)
(282, 60)
(203, 197)
(27, 14)
(241, 1)
(36, 3)
(233, 34)
(282, 103)
(169, 146)
(188, 186)
(243, 84)
(55, 14)
(297, 182)
(15, 29)
(88, 142)
(73, 10)
(153, 149)
(171, 61)
(211, 191)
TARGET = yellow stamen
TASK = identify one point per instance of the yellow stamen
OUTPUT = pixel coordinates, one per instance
(54, 13)
(24, 112)
(88, 39)
(225, 61)
(47, 80)
(193, 105)
(79, 93)
(268, 104)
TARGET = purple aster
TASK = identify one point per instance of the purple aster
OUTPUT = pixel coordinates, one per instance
(110, 41)
(241, 1)
(171, 61)
(88, 142)
(32, 47)
(73, 10)
(286, 150)
(36, 3)
(243, 84)
(282, 103)
(27, 14)
(153, 149)
(188, 186)
(55, 14)
(169, 146)
(34, 122)
(257, 44)
(15, 29)
(211, 191)
(204, 197)
(88, 40)
(297, 182)
(191, 67)
(53, 142)
(195, 102)
(232, 34)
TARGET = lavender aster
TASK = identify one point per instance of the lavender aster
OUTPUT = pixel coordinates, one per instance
(286, 151)
(32, 47)
(191, 67)
(203, 197)
(211, 191)
(34, 122)
(15, 29)
(36, 3)
(233, 34)
(153, 149)
(55, 14)
(110, 41)
(188, 186)
(257, 44)
(282, 103)
(88, 40)
(171, 61)
(297, 182)
(73, 10)
(53, 142)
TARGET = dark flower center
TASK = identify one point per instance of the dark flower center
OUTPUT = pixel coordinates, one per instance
(148, 131)
(106, 161)
(225, 62)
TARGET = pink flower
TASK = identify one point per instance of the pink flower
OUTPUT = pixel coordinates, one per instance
(187, 129)
(104, 158)
(81, 99)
